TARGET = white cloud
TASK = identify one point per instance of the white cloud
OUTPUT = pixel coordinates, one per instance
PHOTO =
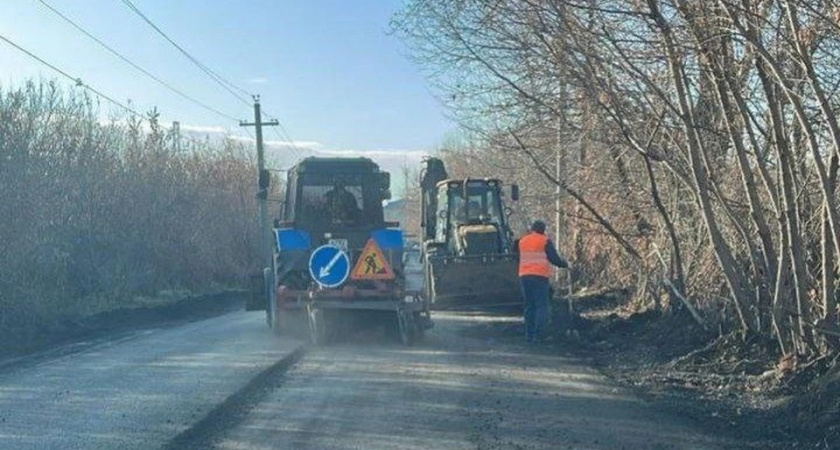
(185, 128)
(283, 154)
(299, 145)
(391, 160)
(201, 129)
(388, 159)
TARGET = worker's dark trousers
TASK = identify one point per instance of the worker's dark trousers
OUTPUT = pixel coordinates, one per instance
(535, 293)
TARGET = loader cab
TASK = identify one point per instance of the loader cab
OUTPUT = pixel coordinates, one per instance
(477, 204)
(469, 211)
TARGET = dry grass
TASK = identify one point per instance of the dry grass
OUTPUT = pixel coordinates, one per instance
(97, 216)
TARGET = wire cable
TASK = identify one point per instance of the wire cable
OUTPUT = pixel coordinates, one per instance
(76, 80)
(227, 85)
(295, 151)
(132, 64)
(285, 135)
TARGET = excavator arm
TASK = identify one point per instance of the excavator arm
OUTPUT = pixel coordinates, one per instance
(433, 172)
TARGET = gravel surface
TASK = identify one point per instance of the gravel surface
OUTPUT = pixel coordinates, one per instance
(465, 386)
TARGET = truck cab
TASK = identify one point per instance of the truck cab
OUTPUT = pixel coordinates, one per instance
(335, 193)
(334, 201)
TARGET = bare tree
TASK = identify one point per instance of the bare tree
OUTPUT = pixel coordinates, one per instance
(718, 112)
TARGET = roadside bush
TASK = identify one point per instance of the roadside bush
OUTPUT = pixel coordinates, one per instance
(97, 212)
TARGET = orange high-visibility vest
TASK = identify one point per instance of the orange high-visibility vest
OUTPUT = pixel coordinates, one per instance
(532, 257)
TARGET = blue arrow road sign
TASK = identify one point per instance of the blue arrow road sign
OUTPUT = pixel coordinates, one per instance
(329, 266)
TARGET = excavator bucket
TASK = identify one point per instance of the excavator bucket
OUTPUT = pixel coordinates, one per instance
(476, 281)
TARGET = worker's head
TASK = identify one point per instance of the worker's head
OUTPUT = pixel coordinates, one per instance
(538, 227)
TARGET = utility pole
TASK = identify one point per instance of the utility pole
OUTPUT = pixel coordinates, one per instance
(558, 193)
(263, 181)
(559, 174)
(176, 136)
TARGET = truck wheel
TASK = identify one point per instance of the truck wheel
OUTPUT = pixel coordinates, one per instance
(269, 315)
(407, 327)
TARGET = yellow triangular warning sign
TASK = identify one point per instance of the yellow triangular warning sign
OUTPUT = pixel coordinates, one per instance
(372, 264)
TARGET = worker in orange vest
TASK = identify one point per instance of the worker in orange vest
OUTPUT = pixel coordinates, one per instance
(536, 255)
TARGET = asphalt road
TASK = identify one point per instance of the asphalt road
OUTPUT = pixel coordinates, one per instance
(459, 389)
(228, 383)
(134, 391)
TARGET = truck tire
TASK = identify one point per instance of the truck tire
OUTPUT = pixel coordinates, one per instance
(256, 293)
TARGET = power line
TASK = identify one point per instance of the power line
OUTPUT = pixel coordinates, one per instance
(76, 80)
(287, 138)
(296, 153)
(132, 64)
(227, 85)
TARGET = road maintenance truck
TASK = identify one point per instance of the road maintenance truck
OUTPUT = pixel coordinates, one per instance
(334, 255)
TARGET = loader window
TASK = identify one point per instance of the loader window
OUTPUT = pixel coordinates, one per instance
(442, 222)
(492, 206)
(481, 205)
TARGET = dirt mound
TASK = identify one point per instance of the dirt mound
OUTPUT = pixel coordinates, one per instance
(816, 400)
(734, 386)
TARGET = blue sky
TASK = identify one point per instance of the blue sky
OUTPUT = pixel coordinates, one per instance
(327, 69)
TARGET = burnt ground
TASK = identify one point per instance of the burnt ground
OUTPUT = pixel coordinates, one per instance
(161, 313)
(734, 387)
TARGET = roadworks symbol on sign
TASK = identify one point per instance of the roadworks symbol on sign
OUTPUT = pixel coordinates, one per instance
(372, 264)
